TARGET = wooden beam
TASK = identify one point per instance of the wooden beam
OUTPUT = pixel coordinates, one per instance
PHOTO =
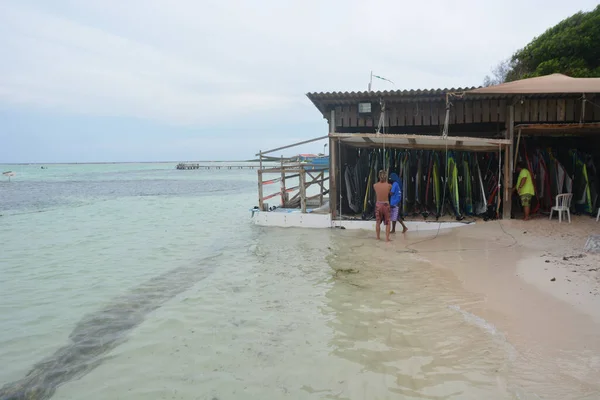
(508, 155)
(332, 166)
(392, 136)
(295, 144)
(261, 206)
(516, 157)
(303, 191)
(283, 193)
(314, 182)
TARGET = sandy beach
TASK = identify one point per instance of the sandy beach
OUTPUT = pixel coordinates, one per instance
(538, 286)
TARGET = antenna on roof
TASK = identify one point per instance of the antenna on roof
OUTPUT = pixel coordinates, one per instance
(378, 77)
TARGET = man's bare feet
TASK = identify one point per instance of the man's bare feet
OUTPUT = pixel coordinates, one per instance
(404, 230)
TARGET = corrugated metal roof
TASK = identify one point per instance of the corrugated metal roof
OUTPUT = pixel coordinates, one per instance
(323, 99)
(384, 93)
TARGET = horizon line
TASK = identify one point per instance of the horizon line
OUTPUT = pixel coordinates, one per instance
(122, 162)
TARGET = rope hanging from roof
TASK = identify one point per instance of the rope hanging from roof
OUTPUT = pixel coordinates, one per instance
(457, 95)
(381, 128)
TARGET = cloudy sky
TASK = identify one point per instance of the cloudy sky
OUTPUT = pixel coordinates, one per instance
(143, 80)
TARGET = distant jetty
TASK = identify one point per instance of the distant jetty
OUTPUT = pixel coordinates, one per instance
(187, 166)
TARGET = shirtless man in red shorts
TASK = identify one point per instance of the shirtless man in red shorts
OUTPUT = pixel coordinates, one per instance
(382, 207)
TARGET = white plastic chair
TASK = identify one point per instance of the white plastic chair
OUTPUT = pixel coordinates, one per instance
(563, 204)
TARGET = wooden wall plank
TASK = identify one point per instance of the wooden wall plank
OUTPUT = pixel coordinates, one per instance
(485, 111)
(339, 120)
(391, 115)
(468, 112)
(560, 110)
(457, 113)
(426, 113)
(477, 111)
(534, 110)
(597, 110)
(551, 110)
(407, 108)
(417, 114)
(570, 110)
(543, 110)
(526, 111)
(400, 114)
(577, 110)
(493, 110)
(353, 114)
(435, 113)
(589, 109)
(518, 112)
(502, 110)
(409, 114)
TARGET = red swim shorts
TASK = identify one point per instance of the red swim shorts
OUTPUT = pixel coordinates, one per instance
(382, 213)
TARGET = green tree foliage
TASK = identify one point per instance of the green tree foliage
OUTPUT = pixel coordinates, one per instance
(572, 47)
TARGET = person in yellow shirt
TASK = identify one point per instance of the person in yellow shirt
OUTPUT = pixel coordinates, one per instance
(525, 188)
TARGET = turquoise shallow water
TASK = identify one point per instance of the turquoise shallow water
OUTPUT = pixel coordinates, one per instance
(137, 281)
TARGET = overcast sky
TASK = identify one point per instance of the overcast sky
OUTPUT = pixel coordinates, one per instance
(144, 80)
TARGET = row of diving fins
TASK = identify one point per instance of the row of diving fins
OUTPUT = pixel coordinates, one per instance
(563, 171)
(433, 182)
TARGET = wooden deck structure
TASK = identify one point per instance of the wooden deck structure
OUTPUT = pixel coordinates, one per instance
(307, 176)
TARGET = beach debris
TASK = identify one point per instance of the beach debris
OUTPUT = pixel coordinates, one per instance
(547, 261)
(392, 292)
(552, 280)
(346, 271)
(593, 244)
(593, 269)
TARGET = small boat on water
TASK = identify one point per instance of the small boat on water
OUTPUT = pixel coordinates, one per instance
(313, 161)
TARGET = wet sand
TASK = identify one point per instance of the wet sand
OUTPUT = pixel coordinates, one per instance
(536, 287)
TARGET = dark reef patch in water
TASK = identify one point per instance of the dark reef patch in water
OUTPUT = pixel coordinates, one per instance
(101, 331)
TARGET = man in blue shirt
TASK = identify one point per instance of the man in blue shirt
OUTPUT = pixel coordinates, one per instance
(395, 200)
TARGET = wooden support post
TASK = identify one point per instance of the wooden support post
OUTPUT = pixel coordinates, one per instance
(261, 204)
(303, 190)
(332, 167)
(283, 192)
(516, 158)
(322, 177)
(508, 157)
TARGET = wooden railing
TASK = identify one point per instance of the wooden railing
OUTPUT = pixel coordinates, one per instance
(287, 171)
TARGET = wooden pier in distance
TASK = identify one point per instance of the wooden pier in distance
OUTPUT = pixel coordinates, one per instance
(188, 166)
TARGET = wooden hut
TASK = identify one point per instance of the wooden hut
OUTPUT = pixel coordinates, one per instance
(492, 118)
